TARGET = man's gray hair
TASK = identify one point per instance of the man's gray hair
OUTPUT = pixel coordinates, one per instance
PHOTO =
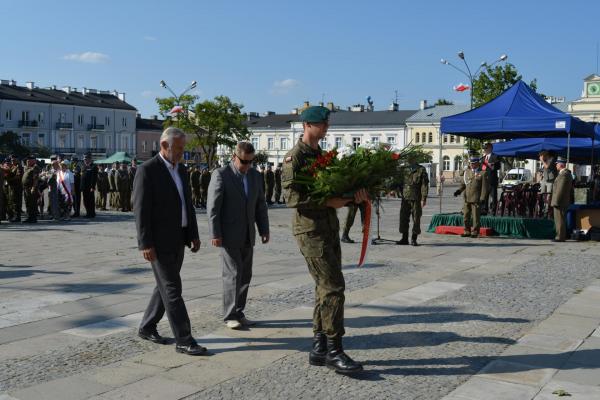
(244, 148)
(170, 133)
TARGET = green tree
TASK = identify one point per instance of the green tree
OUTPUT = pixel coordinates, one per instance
(489, 84)
(261, 157)
(443, 102)
(212, 123)
(10, 143)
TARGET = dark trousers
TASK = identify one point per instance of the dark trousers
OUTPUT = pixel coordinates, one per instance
(76, 202)
(237, 273)
(89, 203)
(167, 297)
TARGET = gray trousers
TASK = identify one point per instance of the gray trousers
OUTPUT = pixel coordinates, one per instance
(237, 273)
(167, 297)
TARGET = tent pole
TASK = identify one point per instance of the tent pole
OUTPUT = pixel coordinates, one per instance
(440, 172)
(592, 161)
(568, 147)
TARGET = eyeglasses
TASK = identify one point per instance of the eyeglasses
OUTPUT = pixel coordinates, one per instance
(245, 162)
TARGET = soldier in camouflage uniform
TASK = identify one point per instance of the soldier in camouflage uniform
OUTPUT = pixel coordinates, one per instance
(278, 184)
(15, 191)
(30, 189)
(3, 172)
(350, 217)
(414, 186)
(204, 182)
(102, 188)
(269, 184)
(475, 188)
(123, 187)
(195, 185)
(316, 228)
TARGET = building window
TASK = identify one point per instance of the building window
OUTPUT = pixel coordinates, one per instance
(93, 121)
(283, 143)
(62, 117)
(108, 142)
(423, 137)
(41, 139)
(25, 139)
(94, 142)
(417, 137)
(430, 137)
(25, 116)
(323, 143)
(457, 162)
(375, 140)
(8, 115)
(339, 142)
(155, 145)
(451, 138)
(446, 163)
(125, 143)
(62, 141)
(255, 142)
(124, 122)
(41, 118)
(81, 142)
(445, 138)
(143, 146)
(355, 142)
(270, 143)
(458, 139)
(107, 121)
(80, 119)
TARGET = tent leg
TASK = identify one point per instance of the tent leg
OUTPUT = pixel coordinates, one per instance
(568, 148)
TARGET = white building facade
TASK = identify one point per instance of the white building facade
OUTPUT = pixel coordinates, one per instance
(68, 121)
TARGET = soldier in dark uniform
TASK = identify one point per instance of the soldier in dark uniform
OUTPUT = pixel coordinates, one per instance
(4, 170)
(76, 169)
(15, 190)
(278, 184)
(53, 209)
(89, 177)
(316, 228)
(132, 170)
(475, 187)
(350, 217)
(102, 188)
(30, 189)
(195, 185)
(414, 186)
(204, 182)
(269, 184)
(122, 181)
(112, 181)
(561, 198)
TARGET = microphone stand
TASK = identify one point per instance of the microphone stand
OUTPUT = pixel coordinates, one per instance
(379, 239)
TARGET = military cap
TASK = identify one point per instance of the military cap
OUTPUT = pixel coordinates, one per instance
(30, 157)
(474, 159)
(53, 157)
(561, 160)
(88, 156)
(315, 114)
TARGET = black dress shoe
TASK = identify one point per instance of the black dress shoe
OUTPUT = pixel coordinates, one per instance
(154, 337)
(403, 241)
(346, 239)
(193, 349)
(413, 240)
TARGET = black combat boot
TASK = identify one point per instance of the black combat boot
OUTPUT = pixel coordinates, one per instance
(319, 350)
(404, 239)
(413, 240)
(338, 360)
(346, 239)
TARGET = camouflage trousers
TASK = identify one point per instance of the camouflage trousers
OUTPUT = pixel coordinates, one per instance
(407, 209)
(277, 193)
(31, 203)
(323, 256)
(472, 216)
(15, 202)
(352, 207)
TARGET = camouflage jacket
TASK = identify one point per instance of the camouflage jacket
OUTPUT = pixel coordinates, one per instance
(475, 185)
(414, 183)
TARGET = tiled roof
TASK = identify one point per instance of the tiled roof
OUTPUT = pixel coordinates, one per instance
(435, 113)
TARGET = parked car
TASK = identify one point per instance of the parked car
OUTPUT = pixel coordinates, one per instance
(516, 176)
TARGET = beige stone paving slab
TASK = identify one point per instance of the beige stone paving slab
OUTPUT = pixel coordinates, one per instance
(37, 345)
(165, 357)
(107, 327)
(579, 374)
(74, 387)
(152, 388)
(584, 306)
(514, 372)
(566, 326)
(122, 373)
(544, 358)
(547, 342)
(576, 391)
(7, 397)
(588, 353)
(478, 388)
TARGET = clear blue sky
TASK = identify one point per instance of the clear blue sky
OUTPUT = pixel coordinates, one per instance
(274, 54)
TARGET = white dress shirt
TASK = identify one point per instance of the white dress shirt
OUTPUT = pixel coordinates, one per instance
(174, 171)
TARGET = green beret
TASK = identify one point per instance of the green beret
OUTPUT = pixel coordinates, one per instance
(315, 114)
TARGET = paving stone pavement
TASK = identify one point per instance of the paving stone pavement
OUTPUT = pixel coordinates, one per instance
(455, 318)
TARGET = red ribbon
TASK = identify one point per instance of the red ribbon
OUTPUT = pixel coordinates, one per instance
(365, 239)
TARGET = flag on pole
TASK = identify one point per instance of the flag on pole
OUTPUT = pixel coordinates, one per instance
(461, 87)
(176, 110)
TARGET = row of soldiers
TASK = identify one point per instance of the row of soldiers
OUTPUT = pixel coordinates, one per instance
(114, 186)
(18, 182)
(272, 183)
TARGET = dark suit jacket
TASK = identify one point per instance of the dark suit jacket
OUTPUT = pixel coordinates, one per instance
(232, 215)
(157, 208)
(89, 177)
(494, 161)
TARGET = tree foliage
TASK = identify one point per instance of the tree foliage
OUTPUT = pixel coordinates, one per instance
(443, 102)
(211, 123)
(261, 157)
(10, 143)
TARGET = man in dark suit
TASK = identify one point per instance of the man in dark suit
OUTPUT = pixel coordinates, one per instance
(236, 202)
(491, 164)
(89, 176)
(166, 223)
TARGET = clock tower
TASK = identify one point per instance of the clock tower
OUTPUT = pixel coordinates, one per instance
(587, 107)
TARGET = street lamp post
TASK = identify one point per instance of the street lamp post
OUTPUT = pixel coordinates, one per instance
(467, 73)
(193, 85)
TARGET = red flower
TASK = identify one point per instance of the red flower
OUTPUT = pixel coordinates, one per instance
(395, 156)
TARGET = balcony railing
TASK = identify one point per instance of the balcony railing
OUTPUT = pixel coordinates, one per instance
(63, 150)
(64, 125)
(95, 127)
(95, 150)
(28, 123)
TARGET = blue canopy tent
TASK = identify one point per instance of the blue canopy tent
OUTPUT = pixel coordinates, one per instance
(581, 149)
(519, 112)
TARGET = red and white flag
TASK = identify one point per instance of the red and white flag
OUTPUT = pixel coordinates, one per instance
(461, 87)
(176, 110)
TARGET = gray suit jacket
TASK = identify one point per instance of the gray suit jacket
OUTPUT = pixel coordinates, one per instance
(157, 208)
(232, 215)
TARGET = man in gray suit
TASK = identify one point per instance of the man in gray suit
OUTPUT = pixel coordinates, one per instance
(236, 202)
(166, 222)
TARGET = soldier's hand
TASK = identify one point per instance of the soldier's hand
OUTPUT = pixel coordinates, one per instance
(361, 196)
(218, 242)
(195, 245)
(423, 203)
(149, 254)
(265, 238)
(456, 193)
(337, 202)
